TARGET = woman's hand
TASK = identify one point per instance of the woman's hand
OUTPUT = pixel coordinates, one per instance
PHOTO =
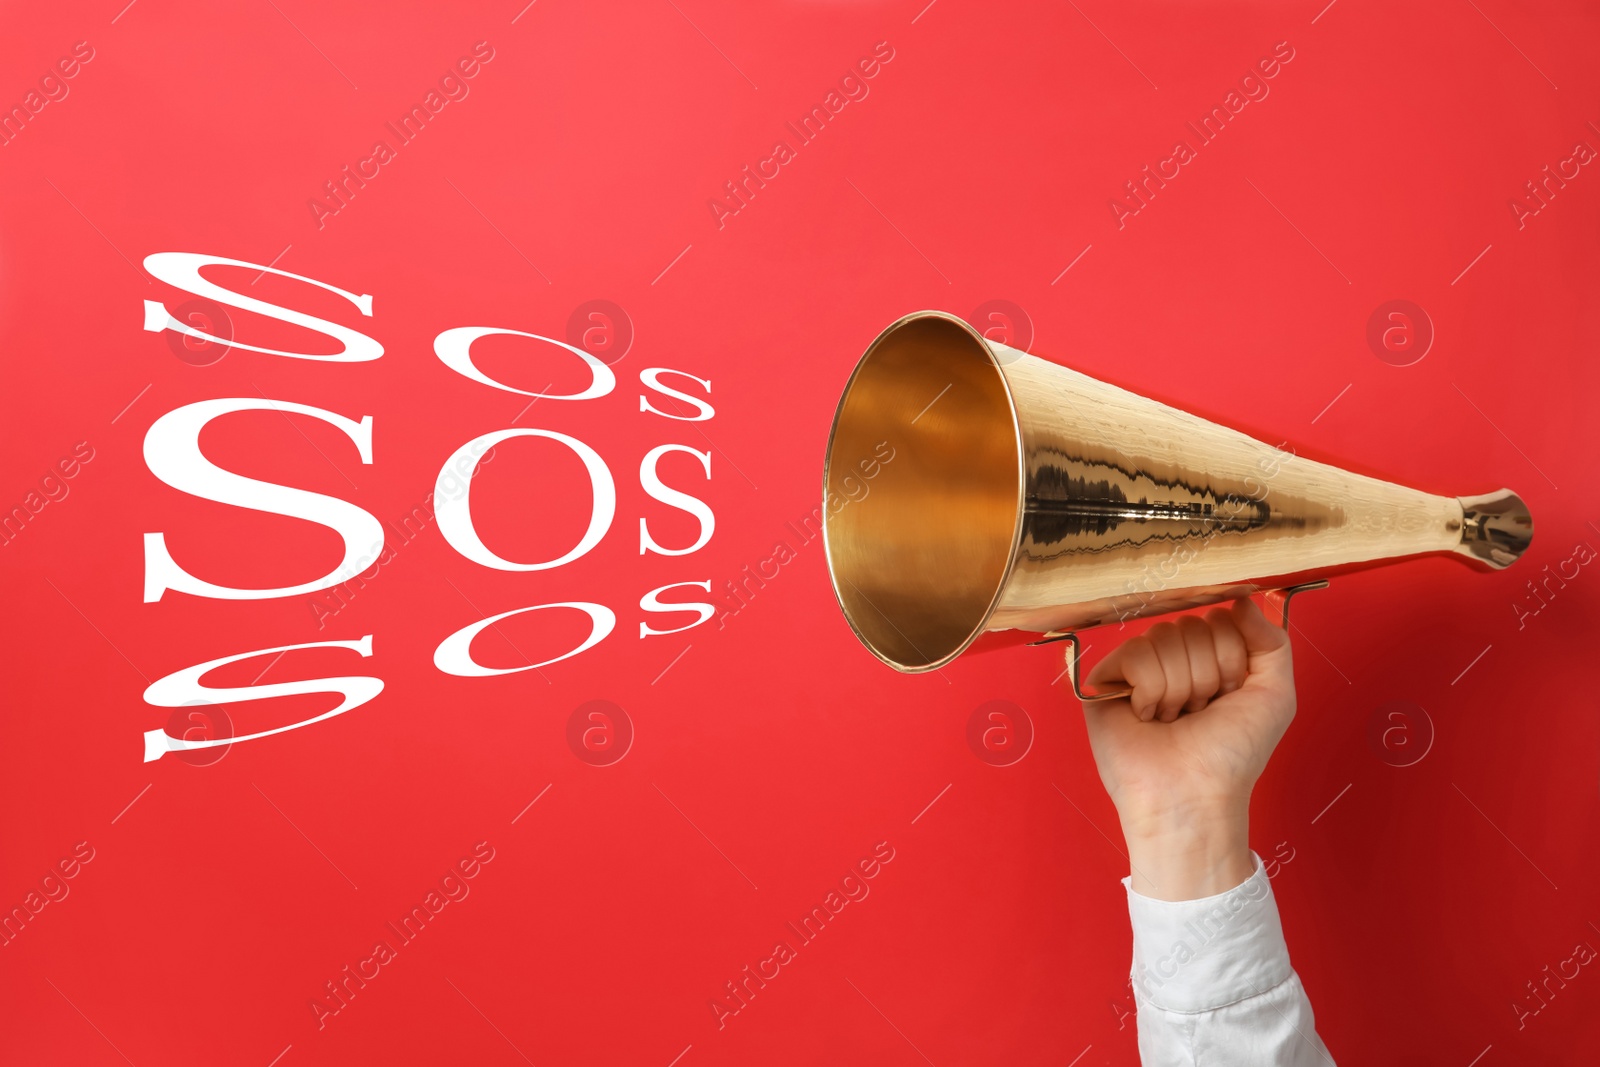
(1211, 698)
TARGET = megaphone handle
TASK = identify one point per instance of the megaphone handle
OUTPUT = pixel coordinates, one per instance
(1074, 654)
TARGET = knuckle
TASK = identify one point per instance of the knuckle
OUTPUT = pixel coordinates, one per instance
(1148, 679)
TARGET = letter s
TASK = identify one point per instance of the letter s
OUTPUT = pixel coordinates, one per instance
(182, 269)
(651, 482)
(651, 376)
(651, 602)
(172, 452)
(182, 688)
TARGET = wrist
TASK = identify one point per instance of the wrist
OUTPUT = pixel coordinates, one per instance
(1184, 851)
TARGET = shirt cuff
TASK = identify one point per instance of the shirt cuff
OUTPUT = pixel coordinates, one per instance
(1199, 955)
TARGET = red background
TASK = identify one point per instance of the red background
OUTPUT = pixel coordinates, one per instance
(981, 164)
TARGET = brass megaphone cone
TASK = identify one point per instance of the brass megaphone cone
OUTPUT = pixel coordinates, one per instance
(1021, 498)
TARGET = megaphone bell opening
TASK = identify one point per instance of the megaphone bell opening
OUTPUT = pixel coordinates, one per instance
(922, 491)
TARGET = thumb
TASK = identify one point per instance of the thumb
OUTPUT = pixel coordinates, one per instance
(1267, 645)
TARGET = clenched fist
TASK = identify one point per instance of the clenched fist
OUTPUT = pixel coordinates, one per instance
(1211, 698)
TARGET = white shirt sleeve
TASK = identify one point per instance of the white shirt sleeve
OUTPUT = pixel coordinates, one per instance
(1213, 984)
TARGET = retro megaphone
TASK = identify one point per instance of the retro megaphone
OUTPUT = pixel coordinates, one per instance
(1020, 498)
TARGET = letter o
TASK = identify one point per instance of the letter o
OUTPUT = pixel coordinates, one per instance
(454, 349)
(454, 512)
(454, 654)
